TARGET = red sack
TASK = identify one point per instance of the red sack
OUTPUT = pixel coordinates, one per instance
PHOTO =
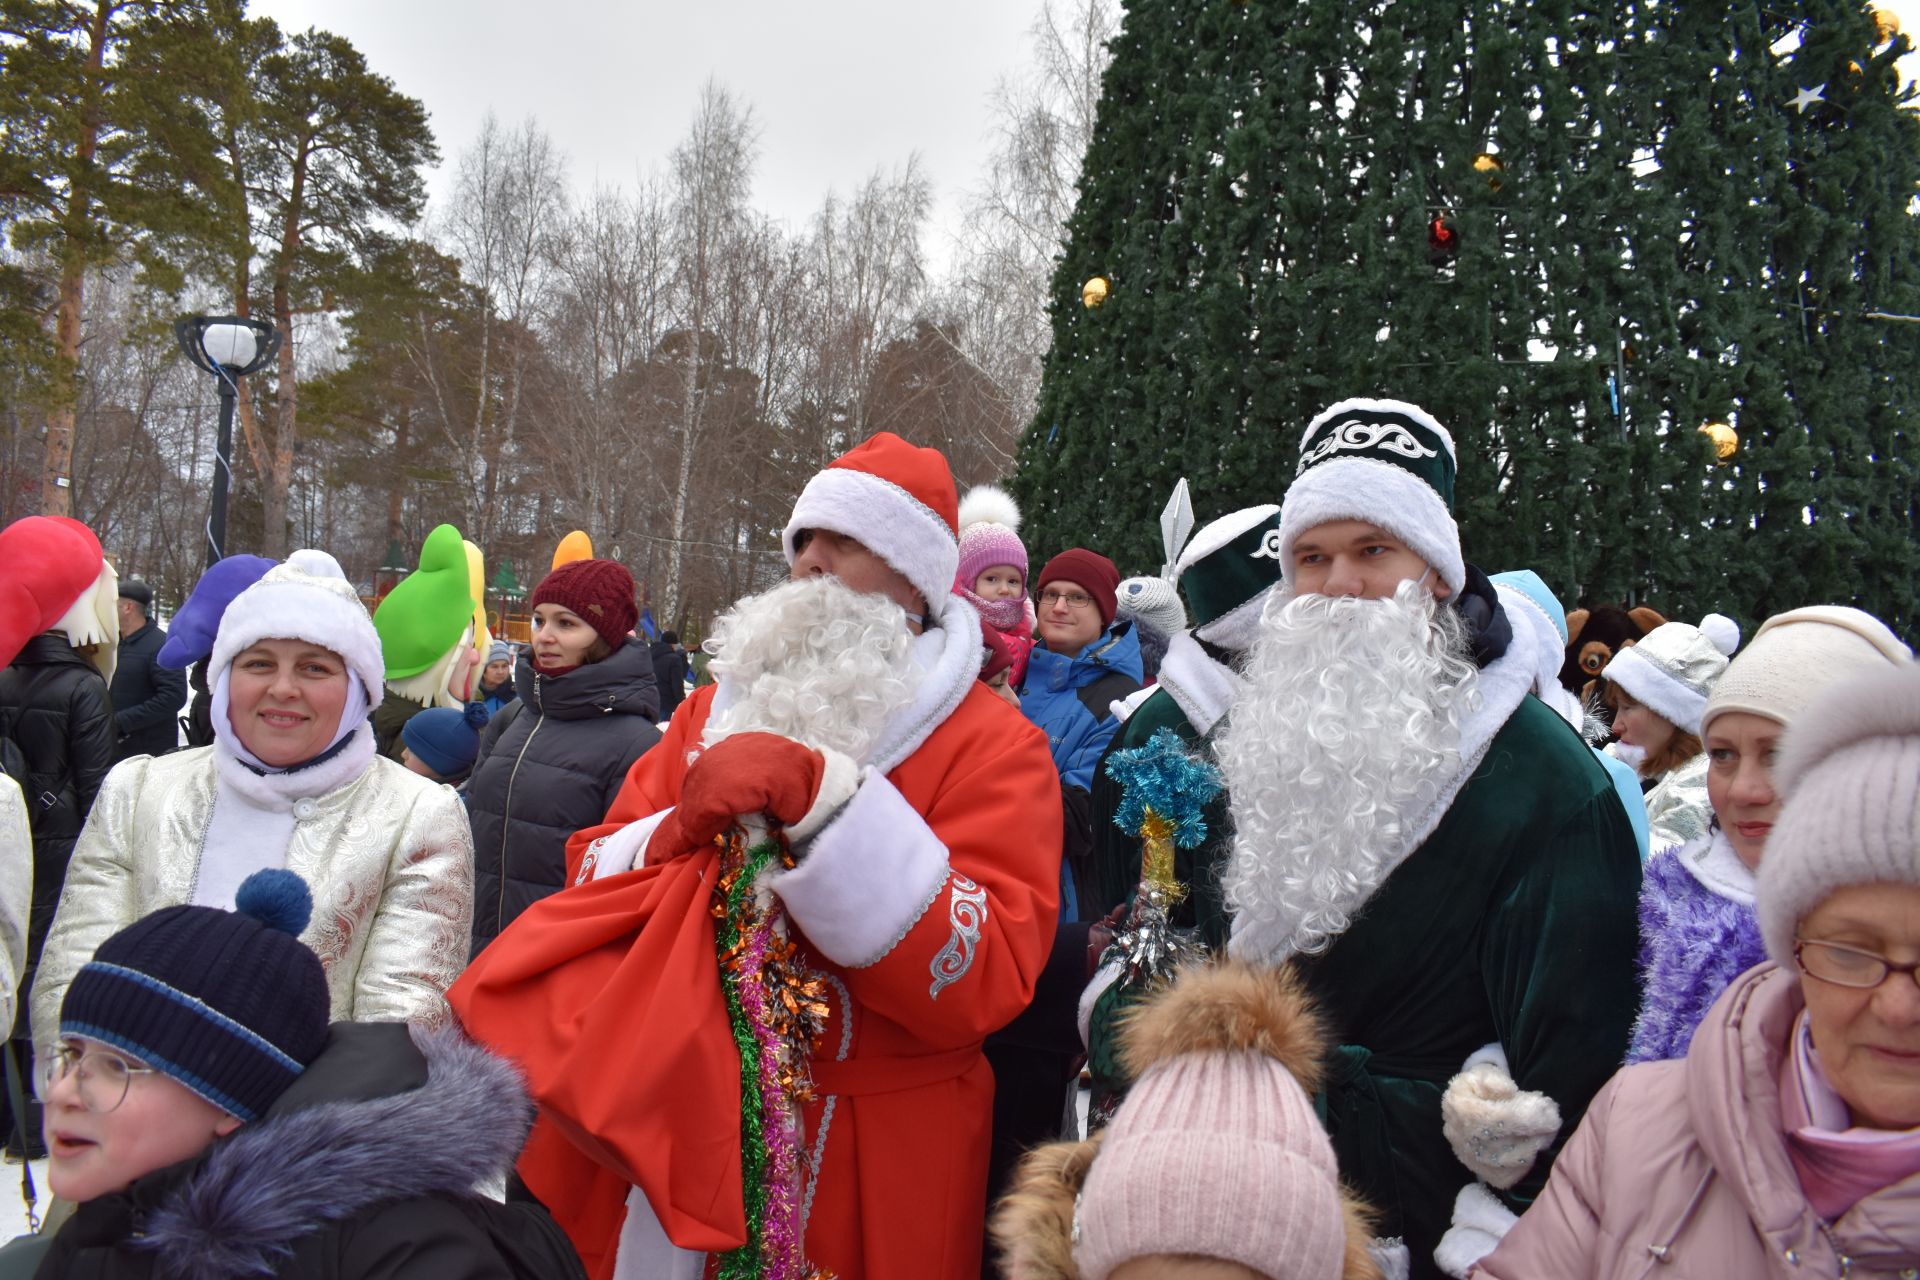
(608, 995)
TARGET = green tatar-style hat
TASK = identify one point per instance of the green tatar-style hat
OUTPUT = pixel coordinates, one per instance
(428, 612)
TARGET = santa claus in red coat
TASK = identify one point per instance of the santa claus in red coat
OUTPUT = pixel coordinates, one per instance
(923, 821)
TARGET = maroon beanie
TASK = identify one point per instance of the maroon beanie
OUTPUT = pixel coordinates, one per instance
(600, 591)
(1095, 574)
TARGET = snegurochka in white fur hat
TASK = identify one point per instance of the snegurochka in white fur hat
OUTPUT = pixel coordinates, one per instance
(1658, 690)
(291, 781)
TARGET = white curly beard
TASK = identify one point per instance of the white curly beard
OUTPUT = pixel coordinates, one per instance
(814, 661)
(1346, 740)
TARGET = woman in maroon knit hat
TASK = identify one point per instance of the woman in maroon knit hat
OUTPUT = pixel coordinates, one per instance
(551, 763)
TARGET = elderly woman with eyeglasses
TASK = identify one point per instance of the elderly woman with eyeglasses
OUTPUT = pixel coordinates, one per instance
(1787, 1141)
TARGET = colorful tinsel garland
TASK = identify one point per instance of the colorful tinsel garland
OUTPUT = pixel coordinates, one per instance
(776, 1008)
(1163, 798)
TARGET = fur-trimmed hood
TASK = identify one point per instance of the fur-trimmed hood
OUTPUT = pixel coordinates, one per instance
(378, 1117)
(1223, 1006)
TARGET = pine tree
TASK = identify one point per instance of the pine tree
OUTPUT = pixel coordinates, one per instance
(101, 114)
(1574, 235)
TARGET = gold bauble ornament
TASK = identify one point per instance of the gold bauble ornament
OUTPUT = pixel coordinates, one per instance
(1886, 25)
(1094, 292)
(1726, 441)
(1490, 166)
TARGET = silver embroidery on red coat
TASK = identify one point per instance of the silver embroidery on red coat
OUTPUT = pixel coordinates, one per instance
(967, 911)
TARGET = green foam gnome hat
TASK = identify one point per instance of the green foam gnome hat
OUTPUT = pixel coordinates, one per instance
(427, 614)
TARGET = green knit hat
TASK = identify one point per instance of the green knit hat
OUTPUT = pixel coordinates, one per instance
(425, 616)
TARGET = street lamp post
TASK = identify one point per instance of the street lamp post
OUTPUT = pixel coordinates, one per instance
(229, 348)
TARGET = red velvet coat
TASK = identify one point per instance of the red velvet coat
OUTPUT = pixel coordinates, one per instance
(929, 900)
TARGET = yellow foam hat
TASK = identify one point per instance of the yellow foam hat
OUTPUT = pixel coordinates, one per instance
(575, 546)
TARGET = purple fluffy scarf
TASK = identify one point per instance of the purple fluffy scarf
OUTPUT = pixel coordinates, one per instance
(1693, 944)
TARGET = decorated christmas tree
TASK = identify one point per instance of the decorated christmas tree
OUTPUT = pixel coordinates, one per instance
(1581, 236)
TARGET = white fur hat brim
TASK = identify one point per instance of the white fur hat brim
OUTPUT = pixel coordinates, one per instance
(1670, 700)
(307, 598)
(887, 520)
(1390, 497)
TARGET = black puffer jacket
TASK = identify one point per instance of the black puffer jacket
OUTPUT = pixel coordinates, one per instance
(364, 1169)
(548, 767)
(54, 707)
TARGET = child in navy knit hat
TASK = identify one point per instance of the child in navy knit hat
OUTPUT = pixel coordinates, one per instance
(207, 1122)
(184, 1025)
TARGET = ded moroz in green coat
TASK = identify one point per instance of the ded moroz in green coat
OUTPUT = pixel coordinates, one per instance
(1513, 922)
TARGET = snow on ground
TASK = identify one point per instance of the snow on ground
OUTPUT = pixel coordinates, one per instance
(13, 1209)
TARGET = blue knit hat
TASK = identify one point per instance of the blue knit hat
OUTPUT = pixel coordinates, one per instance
(445, 739)
(229, 1003)
(190, 634)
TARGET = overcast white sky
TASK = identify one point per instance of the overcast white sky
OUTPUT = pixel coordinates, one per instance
(838, 86)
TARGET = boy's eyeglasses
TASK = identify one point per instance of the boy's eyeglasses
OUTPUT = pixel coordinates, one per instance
(1072, 599)
(101, 1076)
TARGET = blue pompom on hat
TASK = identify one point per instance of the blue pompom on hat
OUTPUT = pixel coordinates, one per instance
(230, 1004)
(191, 631)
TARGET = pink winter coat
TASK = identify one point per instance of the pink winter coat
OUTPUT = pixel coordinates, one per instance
(1680, 1169)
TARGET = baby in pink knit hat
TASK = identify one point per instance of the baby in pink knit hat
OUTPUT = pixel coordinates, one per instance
(993, 571)
(1214, 1168)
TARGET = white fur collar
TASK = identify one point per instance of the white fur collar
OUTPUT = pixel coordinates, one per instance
(1204, 688)
(1504, 684)
(1712, 861)
(277, 791)
(948, 656)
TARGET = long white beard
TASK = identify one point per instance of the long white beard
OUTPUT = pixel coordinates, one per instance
(1346, 741)
(814, 661)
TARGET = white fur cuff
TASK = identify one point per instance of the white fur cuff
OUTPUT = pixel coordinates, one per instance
(623, 850)
(1108, 974)
(1480, 1223)
(1496, 1128)
(838, 782)
(866, 878)
(1391, 1255)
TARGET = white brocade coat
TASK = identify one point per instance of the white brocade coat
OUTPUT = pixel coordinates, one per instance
(387, 854)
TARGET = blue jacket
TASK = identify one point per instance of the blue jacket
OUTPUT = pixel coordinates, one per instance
(1060, 696)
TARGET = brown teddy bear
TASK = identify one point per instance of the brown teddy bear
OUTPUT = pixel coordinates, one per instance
(1594, 636)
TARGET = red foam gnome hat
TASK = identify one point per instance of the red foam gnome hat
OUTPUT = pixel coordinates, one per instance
(46, 563)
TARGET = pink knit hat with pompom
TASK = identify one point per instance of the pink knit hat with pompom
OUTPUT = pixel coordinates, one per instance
(989, 535)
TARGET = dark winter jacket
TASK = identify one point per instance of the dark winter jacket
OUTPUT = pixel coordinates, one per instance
(1694, 942)
(365, 1169)
(389, 718)
(199, 717)
(146, 696)
(669, 676)
(53, 705)
(548, 768)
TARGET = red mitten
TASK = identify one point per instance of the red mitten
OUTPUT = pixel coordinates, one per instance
(739, 776)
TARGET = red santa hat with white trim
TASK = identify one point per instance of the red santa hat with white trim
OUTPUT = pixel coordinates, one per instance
(895, 499)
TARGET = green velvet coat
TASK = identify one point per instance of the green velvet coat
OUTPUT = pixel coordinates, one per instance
(1514, 922)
